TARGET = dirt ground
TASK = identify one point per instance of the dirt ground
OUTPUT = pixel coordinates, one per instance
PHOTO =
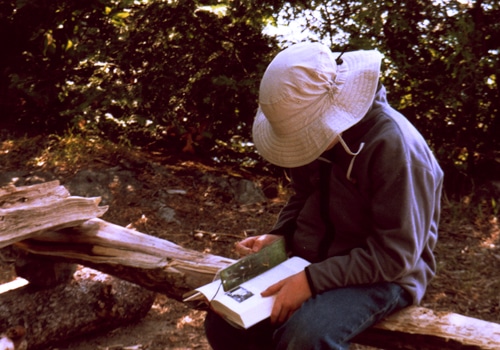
(208, 218)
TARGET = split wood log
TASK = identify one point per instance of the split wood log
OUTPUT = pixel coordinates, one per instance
(92, 302)
(27, 211)
(151, 262)
(418, 328)
(12, 196)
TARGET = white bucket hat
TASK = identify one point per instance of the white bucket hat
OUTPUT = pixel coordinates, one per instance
(306, 100)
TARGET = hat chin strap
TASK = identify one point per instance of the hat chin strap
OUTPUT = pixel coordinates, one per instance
(348, 151)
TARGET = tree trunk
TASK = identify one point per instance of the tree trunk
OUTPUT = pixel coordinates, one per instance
(92, 302)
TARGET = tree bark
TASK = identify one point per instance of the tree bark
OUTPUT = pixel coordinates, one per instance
(92, 302)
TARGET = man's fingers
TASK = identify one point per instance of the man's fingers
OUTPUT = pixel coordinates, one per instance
(273, 289)
(283, 316)
(241, 249)
(253, 244)
(281, 311)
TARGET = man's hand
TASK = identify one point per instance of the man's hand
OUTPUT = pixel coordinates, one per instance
(290, 295)
(254, 244)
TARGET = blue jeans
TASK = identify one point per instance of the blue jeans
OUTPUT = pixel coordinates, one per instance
(326, 321)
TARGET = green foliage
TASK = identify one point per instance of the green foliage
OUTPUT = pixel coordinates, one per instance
(196, 69)
(184, 75)
(45, 43)
(174, 71)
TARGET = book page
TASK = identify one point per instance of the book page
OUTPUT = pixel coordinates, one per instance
(243, 307)
(245, 299)
(211, 290)
(243, 304)
(261, 282)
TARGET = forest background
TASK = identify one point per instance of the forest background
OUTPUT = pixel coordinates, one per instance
(183, 76)
(107, 85)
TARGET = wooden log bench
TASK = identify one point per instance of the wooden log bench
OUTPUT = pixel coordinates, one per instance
(162, 266)
(424, 329)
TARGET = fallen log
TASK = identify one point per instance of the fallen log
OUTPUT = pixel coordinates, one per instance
(28, 211)
(92, 302)
(12, 196)
(151, 262)
(420, 328)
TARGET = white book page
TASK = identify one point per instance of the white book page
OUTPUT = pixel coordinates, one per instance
(261, 282)
(245, 300)
(247, 295)
(211, 290)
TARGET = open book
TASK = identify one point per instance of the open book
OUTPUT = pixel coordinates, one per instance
(242, 305)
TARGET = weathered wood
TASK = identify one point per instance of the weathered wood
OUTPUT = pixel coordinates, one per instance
(18, 282)
(11, 196)
(92, 302)
(28, 211)
(151, 262)
(418, 328)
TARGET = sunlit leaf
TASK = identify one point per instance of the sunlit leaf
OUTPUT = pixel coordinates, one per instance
(121, 15)
(69, 45)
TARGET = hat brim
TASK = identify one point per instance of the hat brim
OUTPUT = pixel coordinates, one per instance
(357, 79)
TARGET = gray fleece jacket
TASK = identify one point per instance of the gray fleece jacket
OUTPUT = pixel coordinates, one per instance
(383, 212)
